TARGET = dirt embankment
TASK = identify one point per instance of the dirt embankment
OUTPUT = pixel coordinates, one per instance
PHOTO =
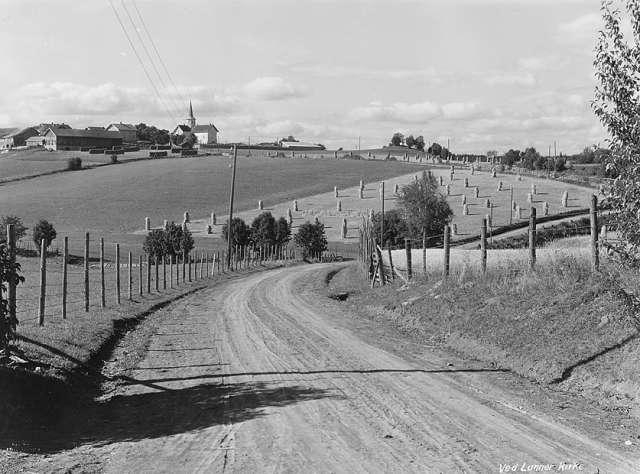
(562, 325)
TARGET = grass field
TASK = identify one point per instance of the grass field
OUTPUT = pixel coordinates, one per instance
(23, 163)
(112, 201)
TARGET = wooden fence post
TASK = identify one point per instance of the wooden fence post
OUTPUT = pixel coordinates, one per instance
(380, 266)
(86, 272)
(103, 298)
(148, 273)
(140, 274)
(393, 274)
(532, 238)
(11, 243)
(171, 272)
(65, 259)
(164, 272)
(595, 253)
(201, 263)
(118, 273)
(207, 268)
(447, 250)
(483, 245)
(407, 250)
(157, 273)
(43, 281)
(424, 252)
(130, 276)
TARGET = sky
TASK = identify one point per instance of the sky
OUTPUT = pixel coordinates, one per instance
(482, 74)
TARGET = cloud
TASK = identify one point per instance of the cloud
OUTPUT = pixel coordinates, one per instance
(585, 26)
(461, 110)
(272, 88)
(398, 112)
(339, 71)
(419, 112)
(525, 79)
(282, 127)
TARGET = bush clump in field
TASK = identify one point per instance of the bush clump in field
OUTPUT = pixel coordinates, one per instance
(74, 164)
(44, 231)
(266, 230)
(19, 228)
(169, 242)
(312, 239)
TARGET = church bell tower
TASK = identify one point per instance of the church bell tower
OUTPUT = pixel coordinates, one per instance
(191, 120)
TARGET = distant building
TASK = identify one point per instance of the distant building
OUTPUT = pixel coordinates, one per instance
(301, 146)
(43, 127)
(74, 139)
(128, 131)
(18, 137)
(95, 128)
(205, 134)
(35, 141)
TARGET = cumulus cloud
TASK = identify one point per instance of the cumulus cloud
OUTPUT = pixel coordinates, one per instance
(337, 71)
(417, 112)
(280, 127)
(398, 112)
(272, 88)
(525, 79)
(585, 26)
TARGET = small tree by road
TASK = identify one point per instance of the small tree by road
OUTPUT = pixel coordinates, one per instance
(170, 242)
(19, 228)
(283, 231)
(240, 232)
(263, 229)
(424, 208)
(395, 228)
(43, 231)
(312, 239)
(9, 273)
(617, 104)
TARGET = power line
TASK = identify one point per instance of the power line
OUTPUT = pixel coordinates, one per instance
(144, 68)
(153, 44)
(148, 54)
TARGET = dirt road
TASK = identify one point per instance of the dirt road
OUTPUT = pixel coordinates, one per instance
(259, 375)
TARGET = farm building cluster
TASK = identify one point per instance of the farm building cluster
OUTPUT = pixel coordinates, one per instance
(60, 136)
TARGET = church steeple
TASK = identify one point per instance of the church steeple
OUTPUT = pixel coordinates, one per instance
(191, 120)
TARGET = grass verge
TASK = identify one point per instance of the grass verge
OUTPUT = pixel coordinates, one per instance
(562, 324)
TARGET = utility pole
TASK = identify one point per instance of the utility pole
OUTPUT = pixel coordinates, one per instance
(358, 142)
(233, 189)
(382, 219)
(555, 149)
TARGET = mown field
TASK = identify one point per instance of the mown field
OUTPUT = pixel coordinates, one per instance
(112, 201)
(34, 162)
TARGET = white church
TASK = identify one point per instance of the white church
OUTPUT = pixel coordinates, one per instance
(205, 134)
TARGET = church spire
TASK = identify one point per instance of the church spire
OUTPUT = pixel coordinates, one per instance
(191, 120)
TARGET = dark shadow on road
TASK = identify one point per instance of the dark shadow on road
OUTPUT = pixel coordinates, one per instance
(150, 415)
(131, 381)
(178, 366)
